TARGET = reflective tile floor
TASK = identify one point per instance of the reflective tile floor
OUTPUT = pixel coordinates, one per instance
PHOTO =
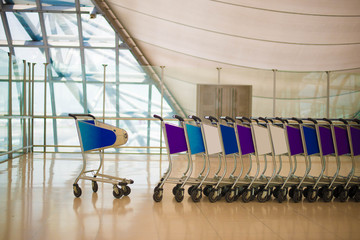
(37, 202)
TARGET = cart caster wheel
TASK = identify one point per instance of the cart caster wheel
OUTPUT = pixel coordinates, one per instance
(174, 190)
(158, 194)
(357, 196)
(343, 195)
(268, 198)
(127, 190)
(246, 196)
(95, 186)
(77, 190)
(352, 191)
(262, 196)
(196, 195)
(190, 189)
(282, 195)
(291, 191)
(276, 191)
(230, 195)
(117, 192)
(338, 190)
(312, 195)
(238, 193)
(207, 190)
(297, 195)
(225, 189)
(327, 194)
(179, 196)
(321, 191)
(213, 195)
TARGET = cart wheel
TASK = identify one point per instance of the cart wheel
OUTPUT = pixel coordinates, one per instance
(327, 194)
(207, 190)
(312, 195)
(268, 198)
(297, 195)
(352, 191)
(262, 196)
(225, 189)
(246, 196)
(213, 195)
(190, 189)
(158, 194)
(77, 190)
(127, 190)
(238, 192)
(176, 188)
(338, 190)
(282, 195)
(343, 195)
(94, 186)
(321, 191)
(276, 191)
(230, 195)
(117, 192)
(179, 196)
(291, 191)
(357, 196)
(196, 195)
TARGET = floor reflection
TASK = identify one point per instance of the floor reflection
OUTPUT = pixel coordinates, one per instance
(37, 202)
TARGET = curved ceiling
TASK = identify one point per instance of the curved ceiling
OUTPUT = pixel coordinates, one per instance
(267, 34)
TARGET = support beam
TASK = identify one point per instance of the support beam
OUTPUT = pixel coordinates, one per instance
(82, 56)
(7, 29)
(10, 108)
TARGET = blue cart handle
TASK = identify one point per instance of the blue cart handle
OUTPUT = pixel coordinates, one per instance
(227, 119)
(80, 115)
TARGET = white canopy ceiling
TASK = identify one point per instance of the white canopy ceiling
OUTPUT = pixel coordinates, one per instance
(267, 34)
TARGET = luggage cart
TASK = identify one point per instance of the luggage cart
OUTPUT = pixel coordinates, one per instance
(96, 136)
(261, 140)
(176, 142)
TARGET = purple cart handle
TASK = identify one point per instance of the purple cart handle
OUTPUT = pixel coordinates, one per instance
(158, 117)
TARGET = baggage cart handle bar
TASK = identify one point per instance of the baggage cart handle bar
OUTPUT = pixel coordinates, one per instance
(158, 117)
(243, 118)
(212, 119)
(195, 118)
(81, 115)
(312, 120)
(178, 118)
(227, 119)
(281, 120)
(263, 119)
(297, 120)
(327, 120)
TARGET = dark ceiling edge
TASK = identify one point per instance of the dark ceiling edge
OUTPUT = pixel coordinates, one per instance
(109, 15)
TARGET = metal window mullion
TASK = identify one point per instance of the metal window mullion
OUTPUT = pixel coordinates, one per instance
(82, 55)
(149, 112)
(10, 107)
(7, 30)
(24, 108)
(29, 108)
(48, 60)
(32, 107)
(274, 92)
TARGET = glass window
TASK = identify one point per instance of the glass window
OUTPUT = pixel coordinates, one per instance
(61, 29)
(26, 2)
(86, 3)
(129, 68)
(66, 62)
(2, 31)
(97, 31)
(58, 3)
(33, 55)
(94, 60)
(17, 30)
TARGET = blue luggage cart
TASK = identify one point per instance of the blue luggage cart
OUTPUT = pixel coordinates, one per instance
(96, 136)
